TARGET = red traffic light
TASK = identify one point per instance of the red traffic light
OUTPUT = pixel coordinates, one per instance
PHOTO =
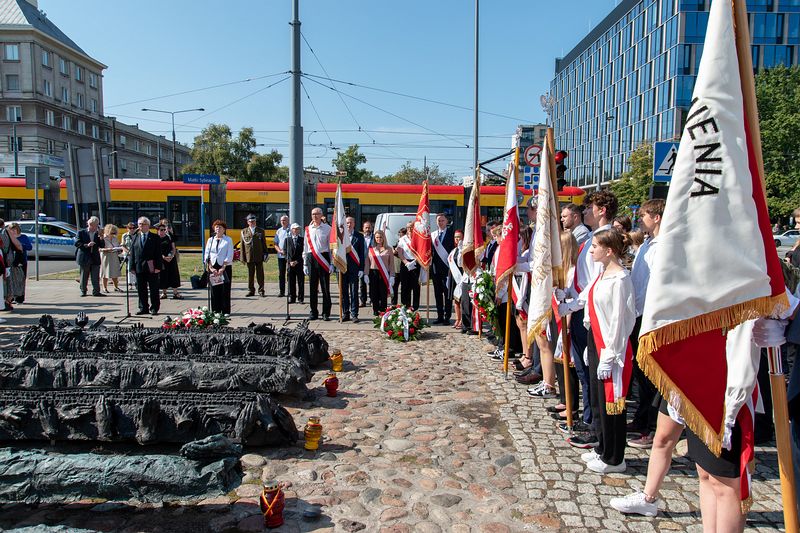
(560, 156)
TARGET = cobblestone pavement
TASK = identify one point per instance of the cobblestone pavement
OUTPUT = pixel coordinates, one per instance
(426, 436)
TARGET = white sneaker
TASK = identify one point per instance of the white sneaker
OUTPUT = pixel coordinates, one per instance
(636, 503)
(600, 467)
(536, 388)
(589, 456)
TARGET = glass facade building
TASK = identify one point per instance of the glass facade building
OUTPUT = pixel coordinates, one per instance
(630, 80)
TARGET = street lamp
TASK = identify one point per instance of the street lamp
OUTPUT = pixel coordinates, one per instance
(172, 114)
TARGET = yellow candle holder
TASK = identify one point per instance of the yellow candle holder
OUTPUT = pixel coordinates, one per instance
(336, 360)
(312, 433)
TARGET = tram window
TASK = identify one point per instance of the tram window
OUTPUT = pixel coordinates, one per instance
(240, 212)
(14, 208)
(120, 213)
(273, 214)
(152, 210)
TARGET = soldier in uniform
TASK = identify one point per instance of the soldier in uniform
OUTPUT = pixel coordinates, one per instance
(253, 254)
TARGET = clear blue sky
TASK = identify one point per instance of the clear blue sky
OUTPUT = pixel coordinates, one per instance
(422, 48)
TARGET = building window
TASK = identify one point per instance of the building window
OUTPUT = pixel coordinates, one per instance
(123, 164)
(789, 5)
(137, 145)
(63, 66)
(759, 5)
(66, 123)
(51, 146)
(93, 80)
(93, 105)
(46, 59)
(65, 95)
(122, 140)
(95, 131)
(106, 136)
(78, 73)
(47, 88)
(137, 168)
(11, 144)
(695, 27)
(149, 170)
(82, 127)
(49, 117)
(14, 113)
(148, 149)
(11, 52)
(12, 82)
(79, 100)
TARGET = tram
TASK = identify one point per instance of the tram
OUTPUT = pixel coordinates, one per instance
(183, 203)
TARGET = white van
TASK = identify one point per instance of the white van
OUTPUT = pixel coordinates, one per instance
(390, 224)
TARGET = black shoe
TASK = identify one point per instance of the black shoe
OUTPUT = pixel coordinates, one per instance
(524, 372)
(291, 300)
(355, 320)
(83, 294)
(263, 294)
(312, 316)
(557, 416)
(578, 426)
(301, 300)
(281, 295)
(437, 321)
(139, 312)
(249, 294)
(464, 330)
(470, 332)
(154, 313)
(555, 409)
(346, 318)
(584, 441)
(98, 294)
(326, 318)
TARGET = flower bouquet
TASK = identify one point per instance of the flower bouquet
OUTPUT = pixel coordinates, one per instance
(201, 317)
(400, 323)
(484, 299)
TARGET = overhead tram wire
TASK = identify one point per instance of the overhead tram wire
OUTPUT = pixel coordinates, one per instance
(247, 80)
(239, 99)
(347, 107)
(310, 101)
(420, 98)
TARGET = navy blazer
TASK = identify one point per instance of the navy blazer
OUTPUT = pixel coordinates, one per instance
(441, 268)
(358, 245)
(84, 255)
(141, 254)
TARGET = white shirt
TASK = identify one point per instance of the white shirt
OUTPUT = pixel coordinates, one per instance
(615, 308)
(280, 239)
(321, 236)
(219, 251)
(581, 233)
(588, 269)
(640, 271)
(405, 244)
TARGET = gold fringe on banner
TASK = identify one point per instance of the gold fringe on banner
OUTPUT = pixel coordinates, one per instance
(747, 503)
(539, 326)
(727, 318)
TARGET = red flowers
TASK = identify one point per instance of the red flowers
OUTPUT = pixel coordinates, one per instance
(411, 331)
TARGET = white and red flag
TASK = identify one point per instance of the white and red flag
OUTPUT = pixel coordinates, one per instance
(340, 233)
(546, 254)
(420, 246)
(508, 247)
(717, 266)
(473, 237)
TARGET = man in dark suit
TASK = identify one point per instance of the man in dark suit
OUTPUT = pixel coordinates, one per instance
(293, 248)
(355, 271)
(145, 260)
(87, 254)
(442, 243)
(368, 241)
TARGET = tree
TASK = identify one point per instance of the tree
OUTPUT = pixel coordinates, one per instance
(349, 161)
(409, 174)
(264, 167)
(633, 186)
(778, 95)
(217, 151)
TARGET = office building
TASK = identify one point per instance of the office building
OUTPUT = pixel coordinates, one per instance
(630, 79)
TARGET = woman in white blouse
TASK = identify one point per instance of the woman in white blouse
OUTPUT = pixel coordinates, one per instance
(218, 260)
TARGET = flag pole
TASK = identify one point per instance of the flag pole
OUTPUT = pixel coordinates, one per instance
(513, 175)
(776, 376)
(428, 294)
(565, 340)
(339, 278)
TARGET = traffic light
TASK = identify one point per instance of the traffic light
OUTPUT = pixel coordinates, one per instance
(561, 168)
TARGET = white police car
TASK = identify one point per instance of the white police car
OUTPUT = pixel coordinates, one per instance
(56, 238)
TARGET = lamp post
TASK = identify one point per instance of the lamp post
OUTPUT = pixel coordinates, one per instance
(172, 115)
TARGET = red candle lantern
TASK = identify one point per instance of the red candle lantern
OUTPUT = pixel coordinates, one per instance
(331, 384)
(272, 502)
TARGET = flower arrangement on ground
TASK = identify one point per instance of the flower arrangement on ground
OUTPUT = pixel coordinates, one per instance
(484, 298)
(400, 323)
(200, 317)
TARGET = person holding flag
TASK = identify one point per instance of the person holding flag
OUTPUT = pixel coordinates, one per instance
(419, 243)
(471, 253)
(317, 264)
(340, 242)
(409, 269)
(354, 273)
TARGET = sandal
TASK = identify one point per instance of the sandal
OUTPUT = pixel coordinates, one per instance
(557, 408)
(177, 297)
(519, 365)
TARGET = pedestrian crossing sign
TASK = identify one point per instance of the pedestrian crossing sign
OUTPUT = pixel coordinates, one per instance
(530, 177)
(664, 156)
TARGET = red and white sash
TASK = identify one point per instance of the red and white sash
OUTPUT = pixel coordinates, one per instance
(318, 256)
(354, 257)
(615, 399)
(439, 247)
(381, 268)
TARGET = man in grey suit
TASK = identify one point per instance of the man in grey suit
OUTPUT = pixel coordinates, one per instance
(87, 254)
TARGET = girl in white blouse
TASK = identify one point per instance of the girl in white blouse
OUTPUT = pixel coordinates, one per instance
(218, 260)
(611, 313)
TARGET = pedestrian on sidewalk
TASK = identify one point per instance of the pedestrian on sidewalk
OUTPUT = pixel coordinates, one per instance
(254, 252)
(294, 263)
(145, 260)
(88, 243)
(279, 241)
(170, 277)
(355, 271)
(218, 260)
(368, 243)
(109, 257)
(317, 264)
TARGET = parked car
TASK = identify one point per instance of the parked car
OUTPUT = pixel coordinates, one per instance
(787, 238)
(56, 238)
(390, 224)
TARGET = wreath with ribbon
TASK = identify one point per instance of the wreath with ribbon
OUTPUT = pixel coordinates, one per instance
(400, 323)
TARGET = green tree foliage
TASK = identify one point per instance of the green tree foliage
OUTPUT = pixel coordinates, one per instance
(349, 161)
(217, 151)
(633, 186)
(409, 174)
(778, 95)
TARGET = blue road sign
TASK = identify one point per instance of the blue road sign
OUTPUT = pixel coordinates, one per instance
(664, 156)
(201, 179)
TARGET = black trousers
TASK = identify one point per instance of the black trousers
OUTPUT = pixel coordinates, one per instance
(514, 339)
(610, 429)
(466, 306)
(281, 275)
(444, 304)
(364, 290)
(297, 282)
(644, 419)
(573, 383)
(396, 286)
(147, 284)
(377, 292)
(221, 294)
(409, 287)
(319, 279)
(255, 272)
(578, 336)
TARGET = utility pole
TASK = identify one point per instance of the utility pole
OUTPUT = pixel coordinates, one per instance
(475, 114)
(296, 129)
(114, 147)
(16, 144)
(158, 156)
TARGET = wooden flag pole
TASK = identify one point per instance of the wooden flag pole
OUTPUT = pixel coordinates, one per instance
(428, 294)
(566, 347)
(777, 381)
(339, 277)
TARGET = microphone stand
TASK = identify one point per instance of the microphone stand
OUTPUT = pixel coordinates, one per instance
(127, 291)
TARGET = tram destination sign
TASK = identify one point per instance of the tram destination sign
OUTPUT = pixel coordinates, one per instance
(201, 179)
